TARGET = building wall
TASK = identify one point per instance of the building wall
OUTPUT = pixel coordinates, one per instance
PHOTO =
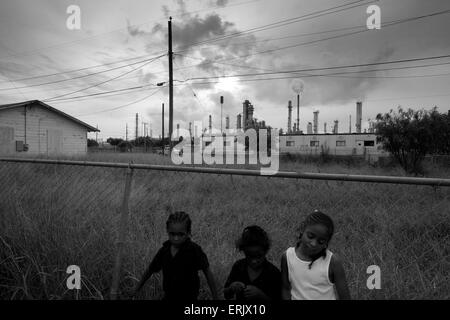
(46, 132)
(340, 145)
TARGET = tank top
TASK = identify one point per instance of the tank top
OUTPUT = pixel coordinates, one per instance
(309, 284)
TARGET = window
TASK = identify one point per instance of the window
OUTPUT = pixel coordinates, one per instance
(290, 143)
(314, 144)
(340, 143)
(369, 143)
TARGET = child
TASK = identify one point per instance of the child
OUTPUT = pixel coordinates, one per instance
(310, 271)
(253, 278)
(180, 259)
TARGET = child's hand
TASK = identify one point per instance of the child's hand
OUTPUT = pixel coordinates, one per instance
(237, 286)
(252, 292)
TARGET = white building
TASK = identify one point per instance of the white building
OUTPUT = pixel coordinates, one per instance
(34, 128)
(344, 144)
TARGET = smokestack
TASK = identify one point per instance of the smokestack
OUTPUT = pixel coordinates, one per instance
(247, 113)
(316, 122)
(325, 127)
(178, 130)
(336, 129)
(210, 123)
(190, 129)
(227, 122)
(137, 125)
(309, 128)
(298, 112)
(350, 124)
(238, 122)
(358, 116)
(290, 117)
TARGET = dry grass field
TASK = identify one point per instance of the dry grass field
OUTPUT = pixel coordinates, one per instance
(55, 216)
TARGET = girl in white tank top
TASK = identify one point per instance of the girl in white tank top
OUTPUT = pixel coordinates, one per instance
(310, 271)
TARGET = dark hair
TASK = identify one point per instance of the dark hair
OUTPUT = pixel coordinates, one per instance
(317, 217)
(253, 236)
(180, 217)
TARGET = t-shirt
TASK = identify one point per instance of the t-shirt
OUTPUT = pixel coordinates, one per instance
(180, 272)
(269, 281)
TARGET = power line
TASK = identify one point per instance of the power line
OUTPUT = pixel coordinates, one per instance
(280, 23)
(321, 69)
(103, 82)
(361, 71)
(84, 76)
(80, 69)
(387, 24)
(122, 106)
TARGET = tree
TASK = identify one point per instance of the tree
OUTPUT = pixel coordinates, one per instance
(92, 143)
(125, 146)
(410, 135)
(114, 141)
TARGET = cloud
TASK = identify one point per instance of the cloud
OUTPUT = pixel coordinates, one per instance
(221, 3)
(134, 31)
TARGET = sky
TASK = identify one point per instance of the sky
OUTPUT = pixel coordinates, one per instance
(109, 69)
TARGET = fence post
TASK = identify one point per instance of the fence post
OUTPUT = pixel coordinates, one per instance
(122, 234)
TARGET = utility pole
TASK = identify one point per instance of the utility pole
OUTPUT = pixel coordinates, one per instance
(126, 132)
(96, 135)
(170, 84)
(162, 141)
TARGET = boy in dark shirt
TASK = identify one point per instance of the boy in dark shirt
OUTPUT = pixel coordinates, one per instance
(253, 278)
(180, 259)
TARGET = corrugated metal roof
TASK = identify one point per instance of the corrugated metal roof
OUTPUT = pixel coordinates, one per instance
(46, 106)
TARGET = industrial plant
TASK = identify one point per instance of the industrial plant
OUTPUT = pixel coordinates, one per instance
(314, 142)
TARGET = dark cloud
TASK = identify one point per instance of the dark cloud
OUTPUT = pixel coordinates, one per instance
(221, 3)
(133, 30)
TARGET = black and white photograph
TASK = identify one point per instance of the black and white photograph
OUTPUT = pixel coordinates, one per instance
(224, 155)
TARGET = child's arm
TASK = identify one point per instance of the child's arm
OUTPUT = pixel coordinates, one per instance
(147, 274)
(154, 266)
(285, 284)
(338, 275)
(211, 283)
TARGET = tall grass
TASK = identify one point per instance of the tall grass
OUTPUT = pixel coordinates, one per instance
(55, 216)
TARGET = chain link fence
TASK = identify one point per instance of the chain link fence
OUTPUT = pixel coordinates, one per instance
(53, 216)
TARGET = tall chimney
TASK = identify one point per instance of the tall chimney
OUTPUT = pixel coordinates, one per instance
(325, 127)
(309, 128)
(290, 117)
(358, 116)
(298, 112)
(210, 123)
(178, 130)
(336, 129)
(316, 122)
(137, 125)
(190, 129)
(350, 124)
(238, 122)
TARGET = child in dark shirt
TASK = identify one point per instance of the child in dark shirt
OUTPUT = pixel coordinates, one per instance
(180, 259)
(253, 278)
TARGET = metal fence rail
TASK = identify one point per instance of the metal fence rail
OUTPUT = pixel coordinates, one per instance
(436, 182)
